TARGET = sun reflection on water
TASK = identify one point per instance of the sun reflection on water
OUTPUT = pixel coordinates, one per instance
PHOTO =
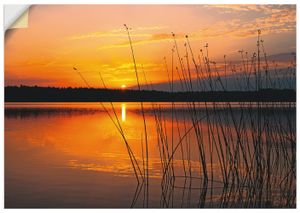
(123, 106)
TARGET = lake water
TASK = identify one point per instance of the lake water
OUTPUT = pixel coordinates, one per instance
(73, 155)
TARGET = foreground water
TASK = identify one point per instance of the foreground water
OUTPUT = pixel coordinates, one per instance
(72, 155)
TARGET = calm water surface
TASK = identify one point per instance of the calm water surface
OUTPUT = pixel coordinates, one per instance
(72, 155)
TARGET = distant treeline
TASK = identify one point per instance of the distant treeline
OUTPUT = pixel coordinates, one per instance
(54, 94)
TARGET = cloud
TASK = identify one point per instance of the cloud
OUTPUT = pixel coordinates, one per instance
(118, 33)
(154, 38)
(126, 68)
(278, 22)
(274, 23)
(272, 19)
(262, 8)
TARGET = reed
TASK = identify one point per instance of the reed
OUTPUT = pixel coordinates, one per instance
(234, 155)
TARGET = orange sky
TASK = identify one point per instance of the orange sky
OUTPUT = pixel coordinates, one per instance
(92, 38)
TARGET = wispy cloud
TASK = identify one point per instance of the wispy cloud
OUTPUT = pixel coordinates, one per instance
(262, 8)
(277, 22)
(127, 68)
(274, 20)
(154, 38)
(138, 32)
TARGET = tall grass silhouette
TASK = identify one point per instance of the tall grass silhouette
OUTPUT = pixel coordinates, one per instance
(232, 155)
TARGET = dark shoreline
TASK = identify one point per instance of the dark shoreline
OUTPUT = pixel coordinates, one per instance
(54, 94)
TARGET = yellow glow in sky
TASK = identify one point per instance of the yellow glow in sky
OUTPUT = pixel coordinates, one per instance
(93, 39)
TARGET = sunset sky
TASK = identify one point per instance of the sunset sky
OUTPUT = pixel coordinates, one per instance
(92, 38)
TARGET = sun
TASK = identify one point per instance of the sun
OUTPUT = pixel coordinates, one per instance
(123, 86)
